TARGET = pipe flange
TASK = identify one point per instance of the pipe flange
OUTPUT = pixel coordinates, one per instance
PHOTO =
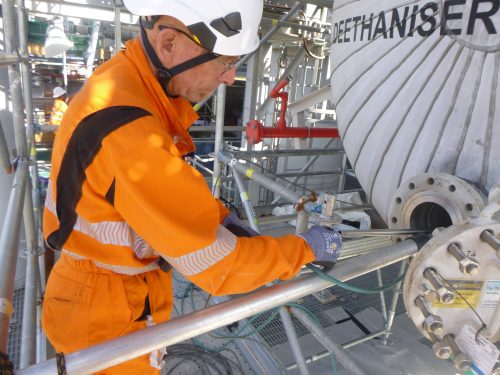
(433, 200)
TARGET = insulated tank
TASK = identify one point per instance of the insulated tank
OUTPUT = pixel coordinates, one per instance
(415, 85)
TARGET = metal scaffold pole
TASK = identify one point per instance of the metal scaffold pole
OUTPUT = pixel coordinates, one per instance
(19, 80)
(9, 243)
(194, 324)
(219, 133)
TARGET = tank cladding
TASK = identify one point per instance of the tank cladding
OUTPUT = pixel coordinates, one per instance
(415, 86)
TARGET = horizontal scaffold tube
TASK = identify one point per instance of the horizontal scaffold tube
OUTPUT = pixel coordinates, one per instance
(266, 182)
(194, 324)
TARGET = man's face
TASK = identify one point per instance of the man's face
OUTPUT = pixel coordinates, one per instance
(198, 83)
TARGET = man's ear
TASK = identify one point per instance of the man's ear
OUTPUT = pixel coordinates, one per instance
(166, 44)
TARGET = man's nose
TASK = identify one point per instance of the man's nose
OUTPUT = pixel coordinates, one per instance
(228, 77)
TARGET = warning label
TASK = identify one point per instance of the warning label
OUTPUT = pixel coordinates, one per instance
(470, 290)
(491, 295)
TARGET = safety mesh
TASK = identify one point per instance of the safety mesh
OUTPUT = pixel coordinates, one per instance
(352, 303)
(15, 328)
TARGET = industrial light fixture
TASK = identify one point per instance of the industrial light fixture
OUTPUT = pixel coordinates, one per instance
(56, 41)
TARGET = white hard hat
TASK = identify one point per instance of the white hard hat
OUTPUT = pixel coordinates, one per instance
(58, 91)
(225, 27)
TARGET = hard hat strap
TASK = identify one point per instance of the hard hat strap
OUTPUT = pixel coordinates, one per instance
(163, 74)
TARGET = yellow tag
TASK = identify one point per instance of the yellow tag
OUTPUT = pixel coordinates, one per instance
(6, 307)
(244, 196)
(196, 39)
(249, 173)
(471, 290)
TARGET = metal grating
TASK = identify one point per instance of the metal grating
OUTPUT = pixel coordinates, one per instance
(15, 328)
(352, 303)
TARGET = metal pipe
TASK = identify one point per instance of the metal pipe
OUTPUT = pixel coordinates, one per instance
(245, 199)
(219, 133)
(9, 243)
(302, 222)
(271, 32)
(9, 58)
(347, 345)
(383, 306)
(342, 178)
(10, 39)
(256, 132)
(118, 27)
(29, 327)
(290, 68)
(293, 340)
(176, 330)
(363, 339)
(284, 153)
(394, 303)
(26, 72)
(4, 153)
(296, 25)
(323, 337)
(305, 168)
(24, 138)
(277, 188)
(380, 232)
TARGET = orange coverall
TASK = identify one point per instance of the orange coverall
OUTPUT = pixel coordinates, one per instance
(119, 198)
(58, 109)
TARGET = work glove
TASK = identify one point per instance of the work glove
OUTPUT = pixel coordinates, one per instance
(325, 243)
(238, 227)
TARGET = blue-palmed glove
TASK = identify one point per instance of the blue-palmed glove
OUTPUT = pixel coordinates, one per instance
(326, 244)
(238, 227)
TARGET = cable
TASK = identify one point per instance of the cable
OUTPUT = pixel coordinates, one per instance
(208, 361)
(232, 205)
(354, 288)
(483, 324)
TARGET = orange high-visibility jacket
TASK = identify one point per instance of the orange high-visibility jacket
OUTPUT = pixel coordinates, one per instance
(122, 195)
(58, 109)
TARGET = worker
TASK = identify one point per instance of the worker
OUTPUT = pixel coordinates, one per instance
(60, 105)
(124, 207)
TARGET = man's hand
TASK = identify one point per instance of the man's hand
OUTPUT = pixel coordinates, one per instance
(326, 244)
(238, 227)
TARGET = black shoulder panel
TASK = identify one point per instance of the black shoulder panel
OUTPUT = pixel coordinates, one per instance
(81, 150)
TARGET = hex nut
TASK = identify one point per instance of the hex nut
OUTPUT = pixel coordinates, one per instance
(433, 324)
(442, 350)
(446, 296)
(469, 266)
(462, 362)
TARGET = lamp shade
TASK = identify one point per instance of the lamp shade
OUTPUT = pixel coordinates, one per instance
(56, 41)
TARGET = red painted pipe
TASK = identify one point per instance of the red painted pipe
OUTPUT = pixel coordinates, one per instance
(256, 131)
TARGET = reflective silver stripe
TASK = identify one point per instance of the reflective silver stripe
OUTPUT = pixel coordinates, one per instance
(200, 260)
(121, 234)
(117, 233)
(123, 270)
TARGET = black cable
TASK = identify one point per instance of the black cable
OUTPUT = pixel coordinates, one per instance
(209, 362)
(61, 364)
(232, 206)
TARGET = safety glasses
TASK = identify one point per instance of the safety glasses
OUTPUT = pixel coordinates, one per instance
(220, 59)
